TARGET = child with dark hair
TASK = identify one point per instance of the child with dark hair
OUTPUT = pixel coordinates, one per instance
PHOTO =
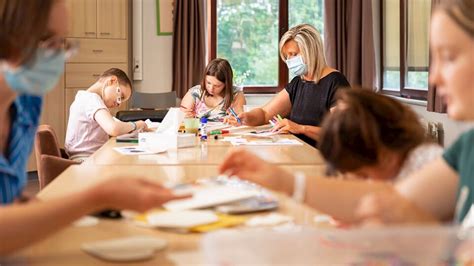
(373, 136)
(215, 95)
(90, 121)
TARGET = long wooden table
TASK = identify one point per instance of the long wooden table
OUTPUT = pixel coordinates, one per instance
(63, 248)
(211, 152)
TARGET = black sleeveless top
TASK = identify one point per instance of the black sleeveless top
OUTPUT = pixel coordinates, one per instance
(311, 101)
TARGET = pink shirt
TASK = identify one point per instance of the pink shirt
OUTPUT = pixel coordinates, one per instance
(84, 135)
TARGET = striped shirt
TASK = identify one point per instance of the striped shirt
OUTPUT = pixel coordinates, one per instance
(25, 114)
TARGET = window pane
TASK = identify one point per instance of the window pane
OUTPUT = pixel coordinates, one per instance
(391, 40)
(417, 80)
(306, 11)
(247, 36)
(419, 12)
(391, 80)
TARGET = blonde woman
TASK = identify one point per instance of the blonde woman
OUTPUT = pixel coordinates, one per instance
(309, 95)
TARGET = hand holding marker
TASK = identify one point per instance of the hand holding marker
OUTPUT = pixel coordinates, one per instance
(276, 119)
(235, 115)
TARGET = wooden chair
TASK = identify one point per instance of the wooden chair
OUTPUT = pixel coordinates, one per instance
(50, 159)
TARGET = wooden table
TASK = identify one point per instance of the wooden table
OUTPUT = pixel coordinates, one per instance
(211, 153)
(63, 248)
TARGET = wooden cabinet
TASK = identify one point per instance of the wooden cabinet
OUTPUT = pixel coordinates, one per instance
(112, 19)
(82, 21)
(83, 75)
(101, 51)
(105, 19)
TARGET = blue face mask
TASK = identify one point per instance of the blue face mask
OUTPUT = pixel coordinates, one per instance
(40, 76)
(296, 65)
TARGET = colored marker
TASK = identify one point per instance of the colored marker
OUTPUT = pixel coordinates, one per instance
(218, 132)
(235, 114)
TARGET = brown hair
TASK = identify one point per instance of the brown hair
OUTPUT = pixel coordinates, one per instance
(363, 124)
(221, 69)
(461, 12)
(121, 77)
(19, 39)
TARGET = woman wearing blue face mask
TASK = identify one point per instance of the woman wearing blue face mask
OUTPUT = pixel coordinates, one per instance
(32, 54)
(311, 93)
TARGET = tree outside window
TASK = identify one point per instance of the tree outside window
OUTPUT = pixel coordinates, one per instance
(247, 34)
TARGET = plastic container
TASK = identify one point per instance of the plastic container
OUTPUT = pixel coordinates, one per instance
(203, 128)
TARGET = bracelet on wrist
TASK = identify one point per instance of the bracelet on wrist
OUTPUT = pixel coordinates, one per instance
(134, 126)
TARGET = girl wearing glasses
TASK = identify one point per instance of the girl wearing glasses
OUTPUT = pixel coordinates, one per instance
(90, 121)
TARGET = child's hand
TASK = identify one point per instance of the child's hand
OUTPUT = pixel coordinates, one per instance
(131, 194)
(141, 126)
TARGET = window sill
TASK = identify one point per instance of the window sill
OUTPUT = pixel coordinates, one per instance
(410, 101)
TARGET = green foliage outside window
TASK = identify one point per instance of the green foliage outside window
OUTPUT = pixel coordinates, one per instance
(247, 35)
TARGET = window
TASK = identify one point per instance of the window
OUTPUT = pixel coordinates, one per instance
(247, 32)
(405, 49)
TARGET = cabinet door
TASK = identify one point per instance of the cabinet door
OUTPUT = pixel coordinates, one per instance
(82, 21)
(101, 51)
(112, 19)
(84, 75)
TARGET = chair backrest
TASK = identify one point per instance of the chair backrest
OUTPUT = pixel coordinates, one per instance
(134, 115)
(153, 100)
(46, 142)
(49, 161)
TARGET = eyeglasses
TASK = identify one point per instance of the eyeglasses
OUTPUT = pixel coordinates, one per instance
(119, 98)
(57, 44)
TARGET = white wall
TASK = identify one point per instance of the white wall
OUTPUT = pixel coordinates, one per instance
(157, 54)
(452, 129)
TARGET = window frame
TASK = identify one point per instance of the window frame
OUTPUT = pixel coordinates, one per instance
(282, 28)
(404, 91)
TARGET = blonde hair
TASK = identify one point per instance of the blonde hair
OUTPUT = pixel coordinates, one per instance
(311, 48)
(462, 12)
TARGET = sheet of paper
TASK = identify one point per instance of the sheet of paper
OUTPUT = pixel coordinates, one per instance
(135, 150)
(171, 122)
(279, 142)
(181, 219)
(262, 133)
(216, 126)
(152, 125)
(209, 197)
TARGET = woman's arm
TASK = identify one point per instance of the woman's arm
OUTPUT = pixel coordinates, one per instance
(22, 224)
(286, 125)
(280, 104)
(116, 127)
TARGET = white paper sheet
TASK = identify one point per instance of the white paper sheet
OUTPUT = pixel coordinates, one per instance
(136, 150)
(209, 197)
(279, 142)
(171, 122)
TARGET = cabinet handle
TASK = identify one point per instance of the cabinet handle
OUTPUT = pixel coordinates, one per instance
(96, 75)
(97, 51)
(90, 32)
(105, 33)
